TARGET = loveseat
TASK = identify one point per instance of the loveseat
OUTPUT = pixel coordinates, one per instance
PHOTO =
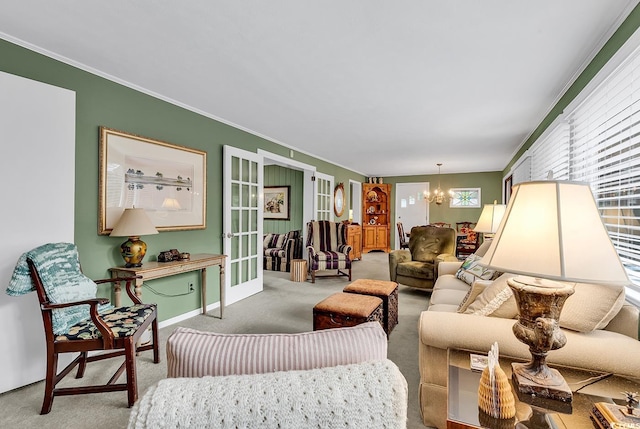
(280, 249)
(473, 307)
(331, 378)
(428, 245)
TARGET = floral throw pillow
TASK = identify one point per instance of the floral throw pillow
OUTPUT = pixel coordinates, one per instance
(472, 270)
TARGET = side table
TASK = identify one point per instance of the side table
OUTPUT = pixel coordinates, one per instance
(299, 270)
(589, 387)
(157, 270)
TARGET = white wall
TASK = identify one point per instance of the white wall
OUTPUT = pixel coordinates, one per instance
(37, 160)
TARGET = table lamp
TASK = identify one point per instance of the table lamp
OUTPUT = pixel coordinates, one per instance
(490, 219)
(552, 234)
(133, 223)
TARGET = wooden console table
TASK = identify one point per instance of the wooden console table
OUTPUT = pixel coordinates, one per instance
(156, 270)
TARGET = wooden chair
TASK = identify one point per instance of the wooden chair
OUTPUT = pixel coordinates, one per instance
(328, 248)
(404, 244)
(467, 239)
(76, 321)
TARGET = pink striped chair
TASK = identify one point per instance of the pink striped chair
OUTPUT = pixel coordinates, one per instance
(328, 249)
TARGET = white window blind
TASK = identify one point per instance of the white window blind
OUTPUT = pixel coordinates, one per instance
(605, 151)
(522, 170)
(551, 154)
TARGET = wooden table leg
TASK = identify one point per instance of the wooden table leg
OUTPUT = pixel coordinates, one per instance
(222, 289)
(203, 289)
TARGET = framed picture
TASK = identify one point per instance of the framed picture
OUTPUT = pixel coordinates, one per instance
(276, 202)
(167, 180)
(465, 198)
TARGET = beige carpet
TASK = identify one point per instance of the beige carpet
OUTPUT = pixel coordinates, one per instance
(283, 306)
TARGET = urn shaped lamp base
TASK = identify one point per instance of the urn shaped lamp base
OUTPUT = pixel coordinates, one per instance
(539, 304)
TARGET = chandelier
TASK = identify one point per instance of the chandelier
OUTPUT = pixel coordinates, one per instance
(438, 196)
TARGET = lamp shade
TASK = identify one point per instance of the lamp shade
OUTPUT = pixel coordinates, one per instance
(553, 230)
(490, 218)
(133, 223)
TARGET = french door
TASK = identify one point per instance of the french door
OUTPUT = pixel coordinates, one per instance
(242, 225)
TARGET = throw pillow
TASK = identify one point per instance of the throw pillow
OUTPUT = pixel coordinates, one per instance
(470, 270)
(591, 307)
(496, 300)
(476, 289)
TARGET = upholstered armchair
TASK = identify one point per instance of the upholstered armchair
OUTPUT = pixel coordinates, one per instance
(416, 266)
(327, 248)
(280, 250)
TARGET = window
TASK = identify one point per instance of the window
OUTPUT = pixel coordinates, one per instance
(599, 142)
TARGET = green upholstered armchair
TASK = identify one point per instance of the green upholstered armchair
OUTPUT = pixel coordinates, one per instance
(416, 266)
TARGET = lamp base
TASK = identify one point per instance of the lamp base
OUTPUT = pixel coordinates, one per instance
(133, 251)
(551, 386)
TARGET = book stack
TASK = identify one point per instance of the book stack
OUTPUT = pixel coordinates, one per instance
(611, 416)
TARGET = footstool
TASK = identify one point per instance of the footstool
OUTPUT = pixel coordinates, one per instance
(385, 290)
(347, 309)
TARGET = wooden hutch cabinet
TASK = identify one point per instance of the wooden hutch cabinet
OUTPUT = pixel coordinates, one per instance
(375, 217)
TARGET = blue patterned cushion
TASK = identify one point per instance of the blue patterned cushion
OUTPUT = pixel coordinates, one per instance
(59, 269)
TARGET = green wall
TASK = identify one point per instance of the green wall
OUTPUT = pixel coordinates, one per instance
(275, 175)
(103, 102)
(490, 184)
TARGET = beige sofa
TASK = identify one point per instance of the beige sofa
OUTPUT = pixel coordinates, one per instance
(601, 330)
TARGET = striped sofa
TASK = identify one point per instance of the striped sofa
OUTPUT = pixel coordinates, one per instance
(281, 249)
(327, 248)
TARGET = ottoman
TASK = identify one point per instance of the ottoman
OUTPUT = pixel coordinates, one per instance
(385, 290)
(347, 309)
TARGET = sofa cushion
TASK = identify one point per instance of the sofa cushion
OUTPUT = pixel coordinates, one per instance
(423, 270)
(274, 241)
(471, 270)
(591, 307)
(495, 300)
(449, 281)
(476, 289)
(447, 296)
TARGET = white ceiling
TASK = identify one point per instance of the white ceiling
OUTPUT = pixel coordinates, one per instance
(380, 87)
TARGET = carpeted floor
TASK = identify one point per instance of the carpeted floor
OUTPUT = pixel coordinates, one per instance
(283, 306)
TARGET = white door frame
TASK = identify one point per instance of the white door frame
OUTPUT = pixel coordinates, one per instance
(308, 198)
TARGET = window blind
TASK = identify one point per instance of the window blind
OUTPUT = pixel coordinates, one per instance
(605, 151)
(551, 154)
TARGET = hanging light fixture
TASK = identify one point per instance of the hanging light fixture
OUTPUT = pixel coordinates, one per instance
(438, 196)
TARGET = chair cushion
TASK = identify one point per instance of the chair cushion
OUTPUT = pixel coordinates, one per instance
(58, 266)
(427, 242)
(417, 269)
(275, 253)
(330, 256)
(123, 322)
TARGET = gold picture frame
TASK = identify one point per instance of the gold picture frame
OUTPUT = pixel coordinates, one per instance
(167, 180)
